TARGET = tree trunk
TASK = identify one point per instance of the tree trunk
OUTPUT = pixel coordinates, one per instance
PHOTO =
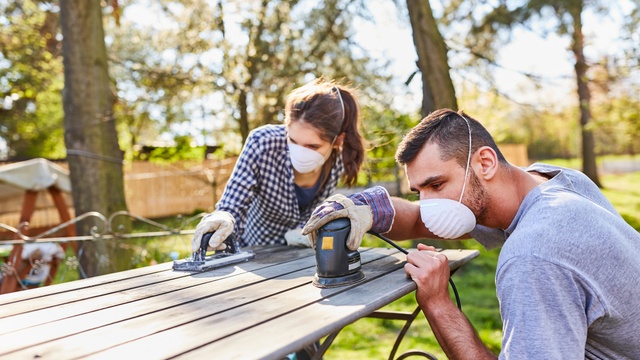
(438, 91)
(244, 115)
(253, 58)
(95, 159)
(589, 166)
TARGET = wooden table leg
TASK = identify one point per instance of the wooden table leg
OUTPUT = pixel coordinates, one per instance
(70, 231)
(16, 268)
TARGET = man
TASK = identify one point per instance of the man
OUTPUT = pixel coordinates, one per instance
(568, 274)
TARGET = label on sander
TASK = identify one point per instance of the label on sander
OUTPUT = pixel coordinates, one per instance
(327, 243)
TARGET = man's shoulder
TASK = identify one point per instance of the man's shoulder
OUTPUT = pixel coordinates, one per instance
(553, 170)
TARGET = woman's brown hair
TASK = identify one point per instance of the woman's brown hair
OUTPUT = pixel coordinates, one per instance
(333, 110)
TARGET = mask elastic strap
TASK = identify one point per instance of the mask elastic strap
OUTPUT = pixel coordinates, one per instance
(341, 103)
(466, 172)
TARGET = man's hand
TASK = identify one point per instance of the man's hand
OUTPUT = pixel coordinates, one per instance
(429, 269)
(367, 210)
(220, 222)
(455, 334)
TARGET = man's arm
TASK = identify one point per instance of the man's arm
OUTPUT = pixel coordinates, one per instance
(454, 333)
(457, 337)
(407, 223)
(372, 209)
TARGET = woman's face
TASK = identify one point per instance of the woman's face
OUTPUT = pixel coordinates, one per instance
(303, 134)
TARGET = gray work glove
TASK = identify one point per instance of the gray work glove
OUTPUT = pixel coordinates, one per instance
(370, 209)
(294, 237)
(221, 223)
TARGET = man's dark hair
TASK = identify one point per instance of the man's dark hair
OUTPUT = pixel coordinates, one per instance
(449, 131)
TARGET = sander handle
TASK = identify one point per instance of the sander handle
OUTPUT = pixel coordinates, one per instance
(200, 254)
(204, 243)
(230, 242)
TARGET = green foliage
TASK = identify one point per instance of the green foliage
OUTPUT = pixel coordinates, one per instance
(226, 67)
(383, 130)
(616, 118)
(199, 71)
(31, 80)
(183, 150)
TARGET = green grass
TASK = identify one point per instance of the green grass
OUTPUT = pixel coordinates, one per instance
(623, 192)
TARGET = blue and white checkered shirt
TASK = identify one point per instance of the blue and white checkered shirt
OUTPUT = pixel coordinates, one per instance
(260, 193)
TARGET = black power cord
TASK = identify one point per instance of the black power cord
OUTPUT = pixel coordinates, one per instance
(401, 249)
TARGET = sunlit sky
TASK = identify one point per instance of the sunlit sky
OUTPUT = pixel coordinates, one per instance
(390, 38)
(528, 52)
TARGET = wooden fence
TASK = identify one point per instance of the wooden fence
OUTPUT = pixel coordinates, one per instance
(152, 190)
(157, 190)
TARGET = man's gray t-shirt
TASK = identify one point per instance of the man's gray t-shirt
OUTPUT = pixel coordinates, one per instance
(568, 274)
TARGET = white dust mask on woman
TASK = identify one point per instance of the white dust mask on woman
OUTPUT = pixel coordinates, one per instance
(305, 160)
(446, 218)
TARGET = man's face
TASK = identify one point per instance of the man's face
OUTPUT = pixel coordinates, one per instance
(432, 178)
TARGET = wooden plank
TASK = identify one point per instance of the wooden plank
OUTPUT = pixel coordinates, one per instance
(92, 299)
(458, 257)
(45, 297)
(195, 304)
(243, 319)
(164, 318)
(76, 285)
(335, 313)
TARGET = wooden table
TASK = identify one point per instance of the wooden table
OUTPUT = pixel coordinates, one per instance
(264, 308)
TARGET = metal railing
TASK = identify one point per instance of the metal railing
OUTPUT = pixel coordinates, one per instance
(32, 271)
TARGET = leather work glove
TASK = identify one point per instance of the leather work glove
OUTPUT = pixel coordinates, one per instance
(370, 209)
(294, 237)
(219, 222)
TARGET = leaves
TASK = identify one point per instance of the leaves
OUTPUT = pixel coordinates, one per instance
(31, 80)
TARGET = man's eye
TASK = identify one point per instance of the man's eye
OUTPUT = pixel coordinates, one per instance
(436, 186)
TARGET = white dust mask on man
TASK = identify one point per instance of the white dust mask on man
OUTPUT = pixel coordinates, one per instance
(446, 218)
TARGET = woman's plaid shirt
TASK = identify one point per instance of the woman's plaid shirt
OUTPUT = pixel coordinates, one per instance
(260, 193)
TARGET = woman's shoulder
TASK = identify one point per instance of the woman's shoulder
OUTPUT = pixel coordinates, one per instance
(266, 138)
(268, 132)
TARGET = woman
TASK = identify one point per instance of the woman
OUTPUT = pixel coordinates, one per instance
(285, 171)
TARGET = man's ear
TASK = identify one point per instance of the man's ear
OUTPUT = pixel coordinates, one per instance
(487, 162)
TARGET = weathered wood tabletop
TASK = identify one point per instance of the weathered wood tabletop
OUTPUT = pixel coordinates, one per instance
(263, 308)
